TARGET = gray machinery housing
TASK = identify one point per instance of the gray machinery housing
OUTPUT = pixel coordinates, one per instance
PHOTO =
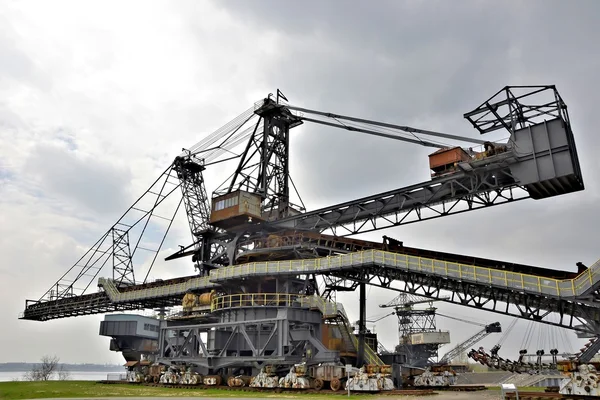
(135, 336)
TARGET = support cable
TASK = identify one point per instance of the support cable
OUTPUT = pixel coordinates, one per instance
(507, 332)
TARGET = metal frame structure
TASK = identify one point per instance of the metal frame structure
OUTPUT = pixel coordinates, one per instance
(533, 297)
(466, 344)
(500, 175)
(247, 341)
(121, 255)
(487, 186)
(115, 244)
(479, 288)
(516, 107)
(264, 165)
(189, 172)
(412, 321)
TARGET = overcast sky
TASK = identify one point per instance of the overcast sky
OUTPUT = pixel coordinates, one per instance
(98, 97)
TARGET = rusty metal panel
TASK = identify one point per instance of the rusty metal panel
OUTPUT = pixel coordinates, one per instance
(249, 204)
(328, 372)
(233, 205)
(446, 157)
(430, 337)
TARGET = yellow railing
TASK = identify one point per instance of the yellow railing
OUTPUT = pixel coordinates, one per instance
(550, 287)
(489, 276)
(370, 356)
(238, 300)
(261, 299)
(153, 292)
(329, 309)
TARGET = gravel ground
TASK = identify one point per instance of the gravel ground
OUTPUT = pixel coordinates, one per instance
(479, 395)
(482, 395)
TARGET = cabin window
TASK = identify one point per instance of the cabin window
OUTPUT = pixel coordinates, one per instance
(226, 203)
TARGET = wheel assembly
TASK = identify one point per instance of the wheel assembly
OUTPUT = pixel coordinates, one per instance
(335, 384)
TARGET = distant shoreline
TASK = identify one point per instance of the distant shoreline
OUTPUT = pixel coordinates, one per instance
(24, 367)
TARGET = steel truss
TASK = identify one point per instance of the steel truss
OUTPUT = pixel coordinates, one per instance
(189, 171)
(264, 165)
(333, 281)
(115, 243)
(86, 304)
(481, 188)
(506, 109)
(121, 255)
(467, 344)
(282, 339)
(572, 313)
(416, 321)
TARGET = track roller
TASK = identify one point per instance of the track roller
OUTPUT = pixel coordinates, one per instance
(318, 384)
(335, 384)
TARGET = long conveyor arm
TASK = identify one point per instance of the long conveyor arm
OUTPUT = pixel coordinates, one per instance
(533, 297)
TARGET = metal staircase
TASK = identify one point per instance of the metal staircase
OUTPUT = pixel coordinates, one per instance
(335, 313)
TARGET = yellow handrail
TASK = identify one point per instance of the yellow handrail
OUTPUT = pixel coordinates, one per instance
(496, 278)
(260, 299)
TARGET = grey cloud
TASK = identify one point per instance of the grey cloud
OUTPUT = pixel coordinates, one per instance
(14, 63)
(91, 182)
(385, 55)
(9, 119)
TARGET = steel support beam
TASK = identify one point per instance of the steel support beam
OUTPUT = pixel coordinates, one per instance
(565, 313)
(362, 328)
(483, 187)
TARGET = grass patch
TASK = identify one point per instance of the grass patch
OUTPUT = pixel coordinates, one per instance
(70, 389)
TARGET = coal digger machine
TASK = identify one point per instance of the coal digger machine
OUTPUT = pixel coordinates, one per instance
(260, 309)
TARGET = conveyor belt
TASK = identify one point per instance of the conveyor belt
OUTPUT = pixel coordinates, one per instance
(532, 289)
(156, 292)
(286, 242)
(548, 287)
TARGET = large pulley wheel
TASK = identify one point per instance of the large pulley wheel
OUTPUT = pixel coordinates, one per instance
(335, 384)
(318, 384)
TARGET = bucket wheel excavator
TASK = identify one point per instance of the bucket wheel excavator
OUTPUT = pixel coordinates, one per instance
(264, 258)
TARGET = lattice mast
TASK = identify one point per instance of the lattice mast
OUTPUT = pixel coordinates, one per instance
(263, 168)
(411, 323)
